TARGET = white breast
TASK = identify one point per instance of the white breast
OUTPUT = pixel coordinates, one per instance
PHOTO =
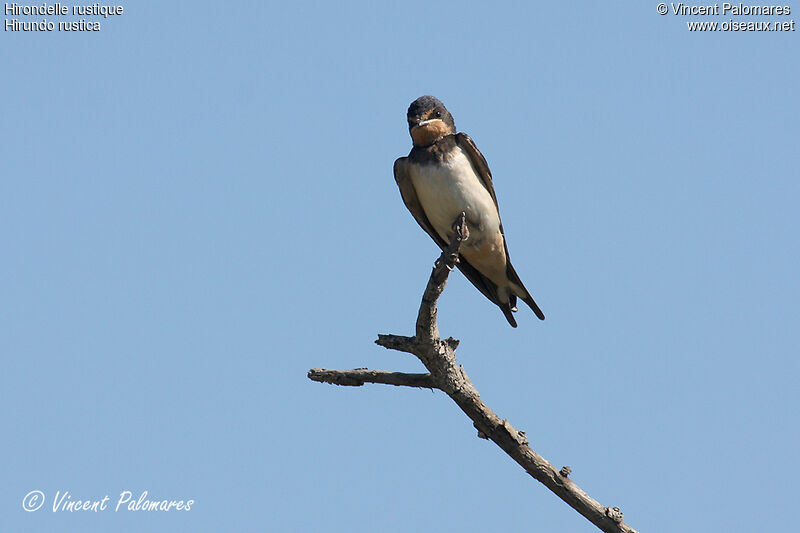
(447, 189)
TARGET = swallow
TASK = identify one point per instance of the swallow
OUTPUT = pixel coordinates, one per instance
(444, 175)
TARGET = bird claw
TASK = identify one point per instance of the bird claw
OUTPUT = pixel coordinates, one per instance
(460, 227)
(454, 258)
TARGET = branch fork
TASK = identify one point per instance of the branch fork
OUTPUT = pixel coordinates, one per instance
(445, 374)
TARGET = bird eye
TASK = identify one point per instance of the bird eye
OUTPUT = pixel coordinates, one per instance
(438, 114)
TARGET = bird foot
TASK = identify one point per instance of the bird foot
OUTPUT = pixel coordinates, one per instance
(460, 227)
(447, 264)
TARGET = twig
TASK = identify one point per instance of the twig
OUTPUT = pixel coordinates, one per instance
(439, 357)
(358, 376)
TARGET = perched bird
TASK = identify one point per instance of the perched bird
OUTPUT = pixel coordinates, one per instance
(444, 175)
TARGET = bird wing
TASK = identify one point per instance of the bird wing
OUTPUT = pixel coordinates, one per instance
(409, 194)
(411, 200)
(482, 168)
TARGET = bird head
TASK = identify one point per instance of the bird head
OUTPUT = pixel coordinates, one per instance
(429, 120)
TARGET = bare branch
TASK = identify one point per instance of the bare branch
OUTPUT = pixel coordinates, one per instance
(439, 357)
(359, 376)
(427, 329)
(397, 342)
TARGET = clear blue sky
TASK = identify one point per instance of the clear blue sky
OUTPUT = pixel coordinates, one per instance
(197, 206)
